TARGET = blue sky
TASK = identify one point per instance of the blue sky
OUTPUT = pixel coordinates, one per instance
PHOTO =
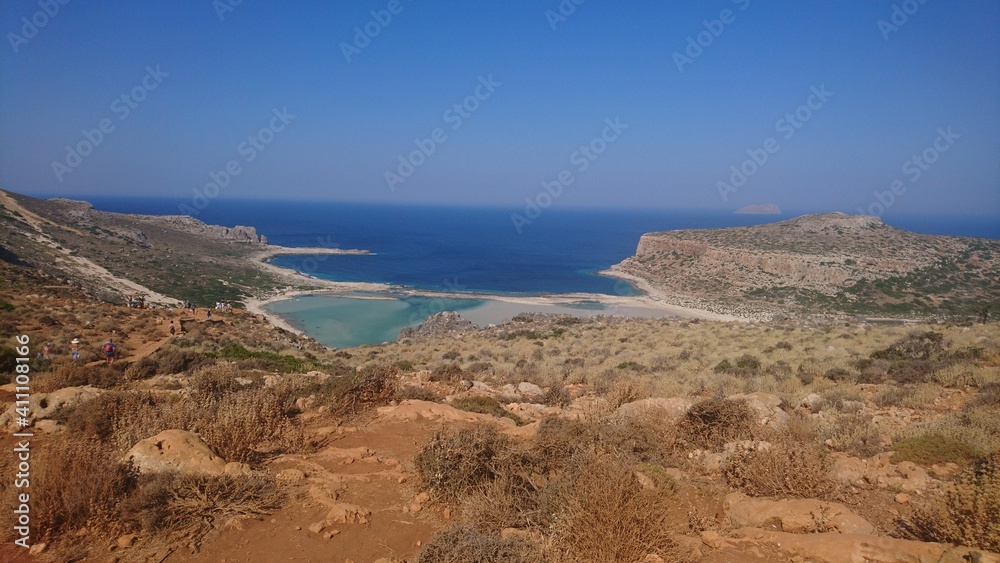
(336, 129)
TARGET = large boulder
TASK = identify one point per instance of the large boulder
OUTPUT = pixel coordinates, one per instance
(181, 451)
(44, 406)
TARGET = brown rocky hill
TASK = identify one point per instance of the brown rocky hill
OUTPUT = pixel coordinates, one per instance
(169, 257)
(829, 262)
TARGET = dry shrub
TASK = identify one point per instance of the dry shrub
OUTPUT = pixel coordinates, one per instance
(608, 517)
(219, 379)
(447, 373)
(375, 385)
(455, 463)
(556, 396)
(485, 405)
(190, 506)
(509, 501)
(144, 368)
(558, 439)
(407, 392)
(247, 426)
(625, 391)
(77, 375)
(855, 434)
(76, 483)
(713, 422)
(171, 361)
(462, 544)
(967, 513)
(98, 417)
(781, 470)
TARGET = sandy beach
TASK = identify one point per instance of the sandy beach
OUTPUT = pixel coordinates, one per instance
(650, 303)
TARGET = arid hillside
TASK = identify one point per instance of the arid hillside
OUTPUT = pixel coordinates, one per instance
(177, 257)
(824, 263)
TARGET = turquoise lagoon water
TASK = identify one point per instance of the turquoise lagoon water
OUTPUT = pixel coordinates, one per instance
(344, 322)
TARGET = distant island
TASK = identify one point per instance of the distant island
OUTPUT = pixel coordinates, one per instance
(760, 209)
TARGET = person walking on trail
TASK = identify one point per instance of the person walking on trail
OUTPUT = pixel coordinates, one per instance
(74, 349)
(109, 351)
(46, 351)
(173, 329)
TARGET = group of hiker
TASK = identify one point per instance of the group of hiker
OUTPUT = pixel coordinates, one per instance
(108, 351)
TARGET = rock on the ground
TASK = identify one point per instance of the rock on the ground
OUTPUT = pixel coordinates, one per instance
(529, 389)
(766, 406)
(833, 547)
(181, 451)
(45, 405)
(880, 472)
(793, 515)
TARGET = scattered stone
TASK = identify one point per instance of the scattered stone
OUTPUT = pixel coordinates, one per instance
(902, 498)
(126, 541)
(37, 549)
(316, 527)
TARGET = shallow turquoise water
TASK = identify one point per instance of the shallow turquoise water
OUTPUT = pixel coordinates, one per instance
(344, 322)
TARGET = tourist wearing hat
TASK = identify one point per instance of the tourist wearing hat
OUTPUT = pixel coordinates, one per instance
(74, 349)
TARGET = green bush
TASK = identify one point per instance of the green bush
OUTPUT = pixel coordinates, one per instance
(929, 449)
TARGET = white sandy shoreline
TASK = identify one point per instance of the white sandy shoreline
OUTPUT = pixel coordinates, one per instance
(651, 298)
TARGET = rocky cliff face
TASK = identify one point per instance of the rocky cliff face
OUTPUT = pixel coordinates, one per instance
(848, 260)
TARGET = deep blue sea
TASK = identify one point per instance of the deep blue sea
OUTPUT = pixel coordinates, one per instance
(477, 249)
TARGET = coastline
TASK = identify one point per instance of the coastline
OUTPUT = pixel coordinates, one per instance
(650, 298)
